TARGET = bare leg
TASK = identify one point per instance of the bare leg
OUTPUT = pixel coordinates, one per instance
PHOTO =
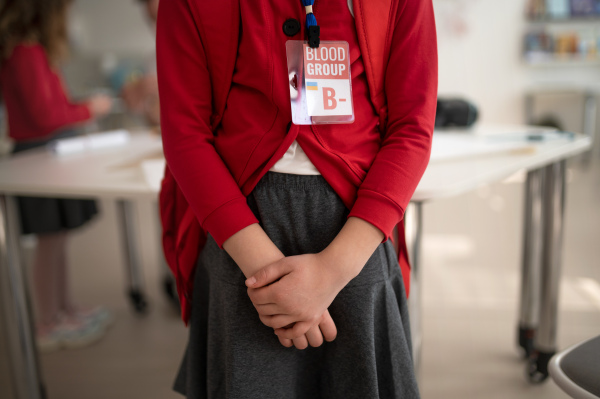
(59, 324)
(47, 276)
(65, 303)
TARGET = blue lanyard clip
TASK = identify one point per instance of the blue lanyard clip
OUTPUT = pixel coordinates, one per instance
(314, 31)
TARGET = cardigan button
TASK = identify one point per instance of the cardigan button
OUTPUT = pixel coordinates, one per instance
(291, 27)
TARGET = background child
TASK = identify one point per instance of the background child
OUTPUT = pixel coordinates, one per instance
(32, 43)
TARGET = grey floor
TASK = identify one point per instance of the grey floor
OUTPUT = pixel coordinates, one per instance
(470, 292)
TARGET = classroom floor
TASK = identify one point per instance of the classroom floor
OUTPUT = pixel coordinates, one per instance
(471, 255)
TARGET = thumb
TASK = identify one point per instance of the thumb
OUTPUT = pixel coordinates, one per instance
(268, 274)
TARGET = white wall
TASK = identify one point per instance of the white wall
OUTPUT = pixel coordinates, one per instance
(480, 46)
(479, 49)
(119, 27)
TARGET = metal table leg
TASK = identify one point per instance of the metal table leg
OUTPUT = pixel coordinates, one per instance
(590, 122)
(413, 223)
(554, 200)
(134, 269)
(589, 115)
(531, 261)
(16, 308)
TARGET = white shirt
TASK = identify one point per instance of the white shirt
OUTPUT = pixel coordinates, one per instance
(295, 162)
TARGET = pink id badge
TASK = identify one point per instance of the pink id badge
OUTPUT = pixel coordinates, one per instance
(320, 82)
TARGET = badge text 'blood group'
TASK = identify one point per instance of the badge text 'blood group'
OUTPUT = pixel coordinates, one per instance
(327, 78)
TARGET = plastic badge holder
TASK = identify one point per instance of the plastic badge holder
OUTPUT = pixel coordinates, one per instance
(320, 82)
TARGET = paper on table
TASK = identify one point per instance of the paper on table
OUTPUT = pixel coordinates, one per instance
(154, 170)
(532, 136)
(448, 146)
(90, 142)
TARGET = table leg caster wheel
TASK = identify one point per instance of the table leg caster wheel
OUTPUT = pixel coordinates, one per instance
(526, 337)
(537, 367)
(138, 300)
(170, 291)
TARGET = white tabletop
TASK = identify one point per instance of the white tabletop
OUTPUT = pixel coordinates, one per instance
(460, 163)
(448, 177)
(107, 173)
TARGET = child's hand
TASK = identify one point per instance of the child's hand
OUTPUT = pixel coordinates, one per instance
(100, 105)
(325, 330)
(296, 289)
(299, 289)
(252, 249)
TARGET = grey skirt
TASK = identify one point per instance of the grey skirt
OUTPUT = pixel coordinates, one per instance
(231, 354)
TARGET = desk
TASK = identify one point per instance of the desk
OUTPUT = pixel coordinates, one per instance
(113, 174)
(108, 174)
(544, 162)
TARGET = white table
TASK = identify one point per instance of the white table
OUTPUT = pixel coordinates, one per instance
(112, 174)
(544, 162)
(115, 174)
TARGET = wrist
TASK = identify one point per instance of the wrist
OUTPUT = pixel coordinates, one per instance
(351, 249)
(338, 269)
(252, 249)
(90, 108)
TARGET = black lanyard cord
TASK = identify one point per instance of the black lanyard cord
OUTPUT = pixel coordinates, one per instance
(314, 31)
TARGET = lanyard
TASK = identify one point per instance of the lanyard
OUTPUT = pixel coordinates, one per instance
(313, 29)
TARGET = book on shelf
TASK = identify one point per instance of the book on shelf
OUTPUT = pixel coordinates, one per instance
(557, 9)
(536, 9)
(583, 8)
(541, 10)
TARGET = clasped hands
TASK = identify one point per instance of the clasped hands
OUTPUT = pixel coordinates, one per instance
(292, 296)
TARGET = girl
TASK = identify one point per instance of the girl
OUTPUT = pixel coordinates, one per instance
(297, 216)
(32, 42)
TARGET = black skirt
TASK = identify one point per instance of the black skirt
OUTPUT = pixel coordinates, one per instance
(39, 215)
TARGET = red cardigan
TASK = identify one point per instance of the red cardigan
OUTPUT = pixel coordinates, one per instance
(197, 43)
(35, 98)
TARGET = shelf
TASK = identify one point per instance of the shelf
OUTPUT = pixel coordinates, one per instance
(556, 60)
(570, 20)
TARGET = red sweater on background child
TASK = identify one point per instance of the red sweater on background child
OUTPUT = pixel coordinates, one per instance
(35, 97)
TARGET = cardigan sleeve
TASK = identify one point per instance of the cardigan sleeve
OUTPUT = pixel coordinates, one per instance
(41, 97)
(411, 93)
(188, 140)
